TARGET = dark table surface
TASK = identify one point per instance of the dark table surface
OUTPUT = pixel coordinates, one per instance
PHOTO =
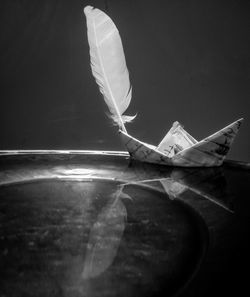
(92, 223)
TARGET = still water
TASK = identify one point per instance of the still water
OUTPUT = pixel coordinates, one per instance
(83, 238)
(94, 224)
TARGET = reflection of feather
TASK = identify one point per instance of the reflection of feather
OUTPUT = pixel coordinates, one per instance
(105, 236)
(108, 64)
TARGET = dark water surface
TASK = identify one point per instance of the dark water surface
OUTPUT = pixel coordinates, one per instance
(94, 224)
(94, 238)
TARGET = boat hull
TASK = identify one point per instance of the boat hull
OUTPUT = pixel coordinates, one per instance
(209, 152)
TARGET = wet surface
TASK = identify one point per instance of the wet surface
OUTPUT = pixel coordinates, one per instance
(94, 224)
(83, 238)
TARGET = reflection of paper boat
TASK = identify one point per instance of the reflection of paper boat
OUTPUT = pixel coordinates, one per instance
(178, 148)
(209, 183)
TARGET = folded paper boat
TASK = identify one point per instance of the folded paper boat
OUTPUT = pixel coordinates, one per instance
(108, 65)
(179, 148)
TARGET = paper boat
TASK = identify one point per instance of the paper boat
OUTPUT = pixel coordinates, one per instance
(177, 148)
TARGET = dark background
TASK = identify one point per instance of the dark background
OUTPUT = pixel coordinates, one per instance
(188, 60)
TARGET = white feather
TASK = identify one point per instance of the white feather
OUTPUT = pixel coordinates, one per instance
(108, 64)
